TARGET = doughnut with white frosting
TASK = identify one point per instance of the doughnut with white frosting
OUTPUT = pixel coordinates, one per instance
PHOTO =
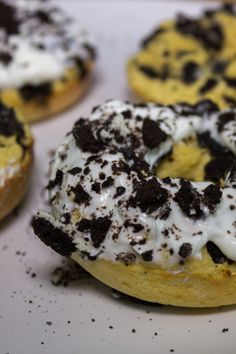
(44, 54)
(15, 159)
(108, 206)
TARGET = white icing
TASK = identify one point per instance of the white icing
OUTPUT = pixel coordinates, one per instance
(61, 42)
(163, 236)
(8, 172)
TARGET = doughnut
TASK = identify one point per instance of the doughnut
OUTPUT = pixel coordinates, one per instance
(15, 159)
(46, 58)
(188, 57)
(166, 240)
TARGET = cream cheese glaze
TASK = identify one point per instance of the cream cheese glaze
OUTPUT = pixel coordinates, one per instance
(38, 43)
(105, 198)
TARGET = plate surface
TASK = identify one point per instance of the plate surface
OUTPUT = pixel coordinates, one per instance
(38, 317)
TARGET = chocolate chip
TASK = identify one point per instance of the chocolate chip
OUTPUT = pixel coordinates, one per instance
(185, 250)
(57, 180)
(52, 236)
(152, 134)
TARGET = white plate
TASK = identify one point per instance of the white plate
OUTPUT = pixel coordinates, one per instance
(27, 303)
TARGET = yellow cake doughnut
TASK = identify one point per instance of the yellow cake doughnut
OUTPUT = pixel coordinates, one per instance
(15, 159)
(45, 61)
(188, 59)
(116, 209)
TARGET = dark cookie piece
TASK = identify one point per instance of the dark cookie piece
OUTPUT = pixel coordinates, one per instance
(151, 36)
(147, 256)
(190, 72)
(5, 58)
(80, 195)
(206, 107)
(39, 93)
(212, 37)
(209, 85)
(222, 158)
(136, 227)
(57, 180)
(126, 257)
(212, 196)
(149, 71)
(43, 17)
(153, 73)
(185, 250)
(152, 134)
(8, 20)
(189, 200)
(9, 125)
(149, 196)
(52, 236)
(84, 137)
(98, 229)
(216, 255)
(225, 118)
(83, 72)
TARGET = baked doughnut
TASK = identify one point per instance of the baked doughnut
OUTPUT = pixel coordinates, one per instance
(166, 240)
(45, 58)
(15, 159)
(188, 59)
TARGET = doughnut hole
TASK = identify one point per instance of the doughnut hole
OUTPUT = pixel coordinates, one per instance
(187, 160)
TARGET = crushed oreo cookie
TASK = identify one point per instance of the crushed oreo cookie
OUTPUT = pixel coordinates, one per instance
(52, 236)
(98, 229)
(152, 134)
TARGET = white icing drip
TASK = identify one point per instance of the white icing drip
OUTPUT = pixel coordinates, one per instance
(163, 236)
(8, 172)
(61, 42)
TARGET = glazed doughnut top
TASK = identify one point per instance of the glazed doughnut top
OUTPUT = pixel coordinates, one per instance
(15, 141)
(106, 201)
(38, 43)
